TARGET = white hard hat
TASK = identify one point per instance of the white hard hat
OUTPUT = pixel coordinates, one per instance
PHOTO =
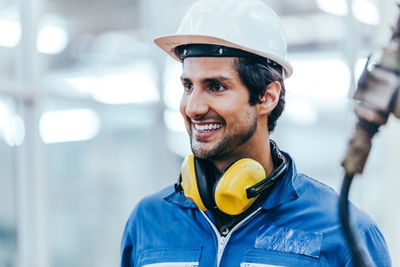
(248, 25)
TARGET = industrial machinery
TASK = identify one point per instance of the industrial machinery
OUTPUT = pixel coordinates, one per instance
(376, 97)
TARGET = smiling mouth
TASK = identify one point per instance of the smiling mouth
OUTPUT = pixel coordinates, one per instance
(208, 127)
(206, 132)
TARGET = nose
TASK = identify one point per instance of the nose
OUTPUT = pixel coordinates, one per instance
(195, 104)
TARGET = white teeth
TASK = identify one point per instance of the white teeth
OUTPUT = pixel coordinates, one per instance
(205, 127)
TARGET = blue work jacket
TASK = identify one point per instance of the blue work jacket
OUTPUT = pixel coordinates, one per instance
(297, 225)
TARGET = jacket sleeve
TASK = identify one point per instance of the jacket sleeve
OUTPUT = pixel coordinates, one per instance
(127, 245)
(374, 246)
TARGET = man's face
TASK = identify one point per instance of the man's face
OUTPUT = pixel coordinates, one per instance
(215, 107)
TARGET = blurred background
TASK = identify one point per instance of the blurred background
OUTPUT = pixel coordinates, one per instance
(89, 120)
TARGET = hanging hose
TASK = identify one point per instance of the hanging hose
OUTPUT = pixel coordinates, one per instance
(359, 259)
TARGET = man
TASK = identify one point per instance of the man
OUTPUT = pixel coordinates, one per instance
(239, 201)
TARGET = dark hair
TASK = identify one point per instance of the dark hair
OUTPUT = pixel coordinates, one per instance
(256, 74)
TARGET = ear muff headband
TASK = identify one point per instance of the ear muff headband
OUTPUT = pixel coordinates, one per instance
(278, 160)
(205, 178)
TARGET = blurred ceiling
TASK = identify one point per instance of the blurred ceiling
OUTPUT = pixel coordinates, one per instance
(306, 24)
(124, 29)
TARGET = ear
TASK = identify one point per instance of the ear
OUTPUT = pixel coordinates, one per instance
(270, 98)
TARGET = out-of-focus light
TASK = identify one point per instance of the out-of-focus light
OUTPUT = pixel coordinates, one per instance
(173, 87)
(51, 39)
(126, 88)
(128, 84)
(363, 10)
(118, 88)
(12, 127)
(336, 7)
(301, 112)
(174, 121)
(69, 125)
(14, 130)
(366, 11)
(320, 79)
(10, 33)
(85, 85)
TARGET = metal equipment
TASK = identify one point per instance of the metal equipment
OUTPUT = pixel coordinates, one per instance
(376, 97)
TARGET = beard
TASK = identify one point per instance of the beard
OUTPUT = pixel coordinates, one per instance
(229, 142)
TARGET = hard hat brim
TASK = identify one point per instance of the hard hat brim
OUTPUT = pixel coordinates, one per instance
(170, 42)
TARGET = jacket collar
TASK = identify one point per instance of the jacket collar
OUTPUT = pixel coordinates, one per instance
(180, 200)
(283, 192)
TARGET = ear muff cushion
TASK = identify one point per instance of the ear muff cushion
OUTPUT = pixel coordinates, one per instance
(189, 183)
(206, 173)
(230, 191)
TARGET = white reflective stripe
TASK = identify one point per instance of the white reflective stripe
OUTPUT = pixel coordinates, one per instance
(249, 264)
(222, 241)
(173, 264)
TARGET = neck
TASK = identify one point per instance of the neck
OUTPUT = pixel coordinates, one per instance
(259, 151)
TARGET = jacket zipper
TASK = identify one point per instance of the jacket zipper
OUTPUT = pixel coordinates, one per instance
(223, 240)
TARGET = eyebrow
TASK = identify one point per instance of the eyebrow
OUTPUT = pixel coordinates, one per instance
(209, 80)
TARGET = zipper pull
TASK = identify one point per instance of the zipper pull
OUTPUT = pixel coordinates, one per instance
(225, 231)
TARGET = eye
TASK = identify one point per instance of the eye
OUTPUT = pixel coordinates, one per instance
(187, 86)
(217, 87)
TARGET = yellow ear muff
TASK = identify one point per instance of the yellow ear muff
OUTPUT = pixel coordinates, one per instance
(230, 191)
(189, 183)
